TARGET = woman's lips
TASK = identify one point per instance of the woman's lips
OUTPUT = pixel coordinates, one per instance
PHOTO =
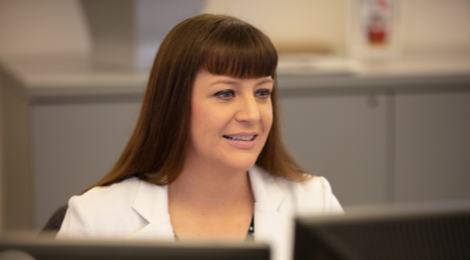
(244, 141)
(240, 137)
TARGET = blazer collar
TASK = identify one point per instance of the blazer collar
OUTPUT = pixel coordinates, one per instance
(270, 224)
(151, 202)
(265, 189)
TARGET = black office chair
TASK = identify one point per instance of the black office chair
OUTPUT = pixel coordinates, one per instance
(55, 222)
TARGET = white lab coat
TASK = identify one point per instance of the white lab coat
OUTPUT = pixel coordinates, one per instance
(134, 209)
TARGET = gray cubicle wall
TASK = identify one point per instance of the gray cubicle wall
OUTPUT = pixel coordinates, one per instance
(74, 145)
(432, 146)
(340, 130)
(79, 131)
(384, 139)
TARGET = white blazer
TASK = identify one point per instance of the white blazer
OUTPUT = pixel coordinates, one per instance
(134, 209)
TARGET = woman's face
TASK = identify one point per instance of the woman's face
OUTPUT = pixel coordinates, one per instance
(230, 120)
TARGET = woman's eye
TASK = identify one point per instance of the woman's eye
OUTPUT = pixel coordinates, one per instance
(225, 94)
(263, 93)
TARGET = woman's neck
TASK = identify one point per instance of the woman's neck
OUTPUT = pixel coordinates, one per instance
(210, 186)
(208, 203)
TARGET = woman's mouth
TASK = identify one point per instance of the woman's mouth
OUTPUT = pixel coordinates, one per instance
(242, 140)
(240, 137)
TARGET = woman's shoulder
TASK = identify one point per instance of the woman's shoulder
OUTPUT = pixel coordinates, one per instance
(105, 210)
(313, 195)
(311, 184)
(121, 191)
(119, 197)
(312, 187)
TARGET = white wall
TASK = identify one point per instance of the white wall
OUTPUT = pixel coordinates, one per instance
(42, 27)
(321, 22)
(429, 26)
(436, 26)
(59, 26)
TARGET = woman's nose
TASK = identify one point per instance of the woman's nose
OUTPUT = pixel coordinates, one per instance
(248, 111)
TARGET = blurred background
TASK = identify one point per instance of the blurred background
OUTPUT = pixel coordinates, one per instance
(375, 95)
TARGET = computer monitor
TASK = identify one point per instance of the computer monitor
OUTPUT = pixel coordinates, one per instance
(440, 231)
(27, 248)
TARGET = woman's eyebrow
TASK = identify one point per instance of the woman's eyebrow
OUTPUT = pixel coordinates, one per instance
(224, 81)
(234, 82)
(265, 81)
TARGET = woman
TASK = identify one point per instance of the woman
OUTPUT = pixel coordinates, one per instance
(206, 160)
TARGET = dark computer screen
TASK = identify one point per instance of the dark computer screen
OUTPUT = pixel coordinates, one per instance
(411, 232)
(49, 249)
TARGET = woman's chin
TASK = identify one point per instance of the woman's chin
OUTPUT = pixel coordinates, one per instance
(241, 165)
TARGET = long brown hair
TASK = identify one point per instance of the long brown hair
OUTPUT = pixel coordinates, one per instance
(221, 45)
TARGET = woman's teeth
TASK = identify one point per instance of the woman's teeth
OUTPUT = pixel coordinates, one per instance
(240, 137)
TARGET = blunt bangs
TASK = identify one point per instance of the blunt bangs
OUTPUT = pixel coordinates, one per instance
(239, 50)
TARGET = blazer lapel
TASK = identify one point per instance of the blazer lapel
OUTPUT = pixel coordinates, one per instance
(151, 202)
(269, 222)
(273, 224)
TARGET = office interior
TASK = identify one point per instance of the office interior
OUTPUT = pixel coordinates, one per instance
(385, 126)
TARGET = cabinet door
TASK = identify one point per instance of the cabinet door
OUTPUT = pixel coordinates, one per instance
(74, 146)
(432, 146)
(342, 138)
